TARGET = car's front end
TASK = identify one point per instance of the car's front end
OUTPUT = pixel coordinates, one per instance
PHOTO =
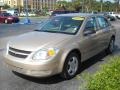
(8, 18)
(27, 63)
(39, 58)
(13, 19)
(16, 20)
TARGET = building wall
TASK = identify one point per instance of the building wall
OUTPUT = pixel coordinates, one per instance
(32, 4)
(14, 3)
(1, 2)
(40, 4)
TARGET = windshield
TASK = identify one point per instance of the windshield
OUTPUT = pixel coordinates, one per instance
(62, 24)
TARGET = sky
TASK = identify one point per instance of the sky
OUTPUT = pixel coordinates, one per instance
(97, 0)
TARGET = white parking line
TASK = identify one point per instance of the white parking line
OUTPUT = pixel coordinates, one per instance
(3, 42)
(2, 49)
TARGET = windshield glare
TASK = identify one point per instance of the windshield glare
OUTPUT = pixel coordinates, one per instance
(60, 24)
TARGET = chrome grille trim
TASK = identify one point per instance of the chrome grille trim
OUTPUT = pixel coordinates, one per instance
(21, 51)
(18, 53)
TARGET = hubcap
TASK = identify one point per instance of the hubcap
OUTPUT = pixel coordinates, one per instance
(72, 66)
(112, 45)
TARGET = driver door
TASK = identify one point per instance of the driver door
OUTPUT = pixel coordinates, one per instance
(90, 40)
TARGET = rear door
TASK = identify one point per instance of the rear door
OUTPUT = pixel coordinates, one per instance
(103, 33)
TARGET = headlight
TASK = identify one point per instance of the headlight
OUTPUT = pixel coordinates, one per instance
(10, 18)
(7, 48)
(44, 54)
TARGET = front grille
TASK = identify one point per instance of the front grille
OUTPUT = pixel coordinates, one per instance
(18, 53)
(21, 51)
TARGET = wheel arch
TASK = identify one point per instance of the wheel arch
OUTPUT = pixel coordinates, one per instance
(113, 37)
(65, 55)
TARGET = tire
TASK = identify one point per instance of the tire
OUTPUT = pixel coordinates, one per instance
(71, 66)
(6, 21)
(111, 46)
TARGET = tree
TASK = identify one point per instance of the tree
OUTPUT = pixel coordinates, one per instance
(61, 5)
(77, 5)
(107, 6)
(6, 6)
(89, 5)
(101, 1)
(117, 2)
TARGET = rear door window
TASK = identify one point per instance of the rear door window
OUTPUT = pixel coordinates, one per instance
(103, 23)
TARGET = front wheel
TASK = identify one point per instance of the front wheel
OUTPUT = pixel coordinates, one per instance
(6, 21)
(111, 46)
(71, 66)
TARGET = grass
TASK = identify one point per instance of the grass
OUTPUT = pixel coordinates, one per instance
(108, 78)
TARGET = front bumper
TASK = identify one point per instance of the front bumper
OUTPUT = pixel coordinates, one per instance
(16, 20)
(34, 70)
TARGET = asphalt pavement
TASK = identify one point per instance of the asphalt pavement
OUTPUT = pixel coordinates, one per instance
(13, 81)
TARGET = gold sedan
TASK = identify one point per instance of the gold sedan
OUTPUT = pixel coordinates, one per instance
(60, 45)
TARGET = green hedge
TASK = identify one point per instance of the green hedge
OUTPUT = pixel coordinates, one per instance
(108, 78)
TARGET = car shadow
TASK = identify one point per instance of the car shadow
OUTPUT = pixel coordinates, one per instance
(56, 78)
(98, 58)
(44, 80)
(93, 60)
(117, 50)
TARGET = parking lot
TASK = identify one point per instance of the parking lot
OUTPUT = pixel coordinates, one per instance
(13, 81)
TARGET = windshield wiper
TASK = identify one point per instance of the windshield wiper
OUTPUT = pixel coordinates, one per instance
(52, 31)
(36, 30)
(46, 31)
(39, 30)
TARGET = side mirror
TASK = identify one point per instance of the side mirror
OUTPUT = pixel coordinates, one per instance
(89, 32)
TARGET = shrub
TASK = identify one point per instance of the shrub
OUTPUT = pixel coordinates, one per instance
(108, 78)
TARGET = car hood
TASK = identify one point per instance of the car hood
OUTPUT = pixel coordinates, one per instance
(35, 40)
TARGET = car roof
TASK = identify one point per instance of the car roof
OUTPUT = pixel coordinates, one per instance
(79, 14)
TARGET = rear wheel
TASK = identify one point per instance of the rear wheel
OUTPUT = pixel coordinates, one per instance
(111, 46)
(71, 66)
